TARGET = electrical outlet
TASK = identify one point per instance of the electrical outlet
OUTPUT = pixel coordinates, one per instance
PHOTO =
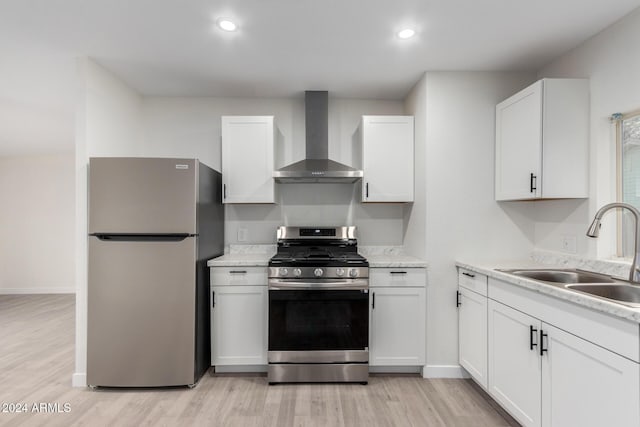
(243, 234)
(569, 244)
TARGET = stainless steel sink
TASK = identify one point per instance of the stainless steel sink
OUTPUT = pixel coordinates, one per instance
(561, 275)
(618, 292)
(593, 284)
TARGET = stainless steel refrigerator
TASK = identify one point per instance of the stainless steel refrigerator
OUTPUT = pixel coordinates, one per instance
(153, 224)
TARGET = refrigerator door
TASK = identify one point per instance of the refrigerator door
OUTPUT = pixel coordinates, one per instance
(142, 195)
(141, 312)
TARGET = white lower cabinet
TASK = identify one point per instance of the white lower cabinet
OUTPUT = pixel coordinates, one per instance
(585, 385)
(239, 325)
(472, 333)
(514, 363)
(545, 376)
(397, 327)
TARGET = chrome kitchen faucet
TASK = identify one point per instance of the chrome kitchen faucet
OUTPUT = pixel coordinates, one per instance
(594, 230)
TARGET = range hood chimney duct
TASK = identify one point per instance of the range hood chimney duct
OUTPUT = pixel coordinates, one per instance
(316, 117)
(316, 167)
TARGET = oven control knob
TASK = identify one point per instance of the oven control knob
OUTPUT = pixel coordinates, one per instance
(353, 272)
(318, 272)
(283, 272)
(297, 272)
(340, 272)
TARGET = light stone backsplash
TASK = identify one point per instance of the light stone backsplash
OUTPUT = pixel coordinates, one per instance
(250, 249)
(380, 250)
(619, 269)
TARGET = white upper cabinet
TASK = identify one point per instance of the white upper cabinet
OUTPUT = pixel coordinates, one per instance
(542, 141)
(387, 158)
(247, 159)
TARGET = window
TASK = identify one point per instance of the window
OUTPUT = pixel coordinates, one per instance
(628, 136)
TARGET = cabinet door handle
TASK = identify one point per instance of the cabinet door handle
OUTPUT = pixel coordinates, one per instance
(468, 274)
(238, 272)
(533, 183)
(373, 300)
(458, 302)
(213, 299)
(542, 336)
(397, 272)
(532, 332)
(366, 190)
(224, 191)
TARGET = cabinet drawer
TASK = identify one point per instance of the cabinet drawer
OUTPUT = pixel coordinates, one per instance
(473, 281)
(243, 276)
(413, 277)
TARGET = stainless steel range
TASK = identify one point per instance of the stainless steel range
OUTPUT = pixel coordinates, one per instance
(318, 307)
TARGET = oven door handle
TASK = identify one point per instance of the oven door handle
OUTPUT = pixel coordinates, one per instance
(348, 284)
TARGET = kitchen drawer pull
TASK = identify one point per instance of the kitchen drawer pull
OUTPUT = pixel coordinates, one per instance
(533, 183)
(542, 336)
(238, 272)
(532, 333)
(397, 272)
(468, 274)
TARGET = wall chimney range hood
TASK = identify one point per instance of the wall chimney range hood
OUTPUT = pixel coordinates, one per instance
(316, 167)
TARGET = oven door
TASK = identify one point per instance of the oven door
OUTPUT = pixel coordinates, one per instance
(318, 323)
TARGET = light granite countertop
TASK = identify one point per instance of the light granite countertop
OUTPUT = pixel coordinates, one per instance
(259, 255)
(262, 260)
(489, 269)
(395, 261)
(244, 256)
(390, 257)
(244, 260)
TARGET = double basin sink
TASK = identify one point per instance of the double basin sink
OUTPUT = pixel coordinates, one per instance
(593, 284)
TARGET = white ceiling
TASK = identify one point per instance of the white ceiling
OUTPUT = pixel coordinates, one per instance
(283, 47)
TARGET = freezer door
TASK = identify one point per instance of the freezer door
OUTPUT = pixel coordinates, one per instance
(141, 313)
(141, 195)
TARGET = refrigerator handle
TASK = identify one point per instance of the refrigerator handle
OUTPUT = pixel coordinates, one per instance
(132, 237)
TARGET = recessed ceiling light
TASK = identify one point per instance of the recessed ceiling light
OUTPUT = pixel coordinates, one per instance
(226, 24)
(407, 33)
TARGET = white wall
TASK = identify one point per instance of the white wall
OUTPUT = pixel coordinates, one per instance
(108, 123)
(191, 127)
(611, 61)
(415, 215)
(463, 221)
(37, 224)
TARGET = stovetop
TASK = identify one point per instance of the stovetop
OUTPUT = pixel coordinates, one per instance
(305, 257)
(317, 252)
(321, 246)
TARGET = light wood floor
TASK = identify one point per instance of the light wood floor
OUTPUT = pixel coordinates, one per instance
(37, 360)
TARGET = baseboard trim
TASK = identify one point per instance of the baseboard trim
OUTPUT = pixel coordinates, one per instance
(394, 369)
(28, 291)
(429, 371)
(79, 379)
(240, 369)
(444, 371)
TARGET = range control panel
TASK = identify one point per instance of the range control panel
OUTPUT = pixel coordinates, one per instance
(318, 272)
